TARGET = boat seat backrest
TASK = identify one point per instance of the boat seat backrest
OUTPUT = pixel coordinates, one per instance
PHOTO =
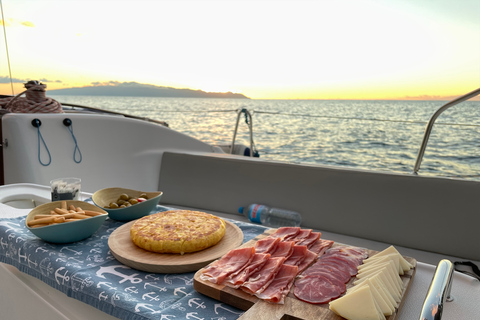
(430, 214)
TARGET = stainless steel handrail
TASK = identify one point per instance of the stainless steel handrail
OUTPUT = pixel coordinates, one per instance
(439, 292)
(429, 127)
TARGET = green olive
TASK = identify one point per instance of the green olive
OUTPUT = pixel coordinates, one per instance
(120, 202)
(133, 201)
(143, 195)
(113, 205)
(124, 196)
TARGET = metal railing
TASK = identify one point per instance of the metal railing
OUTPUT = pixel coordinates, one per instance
(429, 127)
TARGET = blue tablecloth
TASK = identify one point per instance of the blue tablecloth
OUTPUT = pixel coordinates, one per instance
(87, 271)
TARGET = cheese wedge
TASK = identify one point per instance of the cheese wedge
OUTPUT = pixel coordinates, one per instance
(381, 287)
(404, 263)
(384, 275)
(387, 269)
(392, 256)
(392, 269)
(380, 297)
(357, 305)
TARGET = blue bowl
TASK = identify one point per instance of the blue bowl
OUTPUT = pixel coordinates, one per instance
(66, 232)
(104, 197)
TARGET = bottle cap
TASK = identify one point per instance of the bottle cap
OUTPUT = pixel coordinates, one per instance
(240, 210)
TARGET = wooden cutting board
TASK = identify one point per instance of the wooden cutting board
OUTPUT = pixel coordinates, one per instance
(125, 251)
(292, 308)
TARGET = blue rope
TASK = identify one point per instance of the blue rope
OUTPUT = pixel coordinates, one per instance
(40, 137)
(70, 128)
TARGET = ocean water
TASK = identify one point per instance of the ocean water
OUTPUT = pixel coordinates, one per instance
(372, 135)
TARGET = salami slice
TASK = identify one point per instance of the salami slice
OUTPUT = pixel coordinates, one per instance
(316, 289)
(340, 273)
(344, 262)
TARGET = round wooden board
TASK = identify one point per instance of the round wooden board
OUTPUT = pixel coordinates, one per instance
(125, 251)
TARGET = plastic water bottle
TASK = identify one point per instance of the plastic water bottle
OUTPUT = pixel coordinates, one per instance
(272, 217)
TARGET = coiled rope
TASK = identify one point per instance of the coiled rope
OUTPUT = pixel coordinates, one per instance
(34, 102)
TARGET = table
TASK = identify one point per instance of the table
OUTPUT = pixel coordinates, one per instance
(86, 271)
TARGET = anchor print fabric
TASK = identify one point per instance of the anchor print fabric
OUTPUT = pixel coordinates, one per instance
(87, 271)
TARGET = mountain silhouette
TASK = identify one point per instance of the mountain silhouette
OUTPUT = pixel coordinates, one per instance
(134, 89)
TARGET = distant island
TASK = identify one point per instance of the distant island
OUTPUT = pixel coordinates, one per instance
(135, 89)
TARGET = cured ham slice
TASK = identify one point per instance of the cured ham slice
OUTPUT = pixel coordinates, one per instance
(301, 235)
(284, 249)
(307, 261)
(316, 289)
(310, 240)
(297, 256)
(236, 279)
(260, 279)
(285, 232)
(234, 260)
(266, 245)
(320, 246)
(280, 286)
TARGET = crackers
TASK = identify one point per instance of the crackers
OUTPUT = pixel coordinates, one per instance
(177, 231)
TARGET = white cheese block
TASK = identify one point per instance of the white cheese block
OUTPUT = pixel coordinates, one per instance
(383, 302)
(375, 260)
(404, 263)
(357, 305)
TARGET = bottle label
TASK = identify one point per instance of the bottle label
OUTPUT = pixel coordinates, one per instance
(254, 213)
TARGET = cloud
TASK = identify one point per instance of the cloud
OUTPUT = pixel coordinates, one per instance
(46, 80)
(27, 24)
(436, 97)
(6, 79)
(112, 83)
(11, 22)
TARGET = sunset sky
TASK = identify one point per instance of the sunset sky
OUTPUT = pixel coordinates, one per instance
(265, 49)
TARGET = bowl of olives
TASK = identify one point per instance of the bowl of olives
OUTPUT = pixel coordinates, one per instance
(126, 204)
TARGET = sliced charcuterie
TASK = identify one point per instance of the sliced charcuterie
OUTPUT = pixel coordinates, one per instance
(280, 286)
(298, 255)
(234, 260)
(285, 232)
(236, 279)
(316, 289)
(269, 269)
(284, 249)
(266, 245)
(260, 279)
(320, 246)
